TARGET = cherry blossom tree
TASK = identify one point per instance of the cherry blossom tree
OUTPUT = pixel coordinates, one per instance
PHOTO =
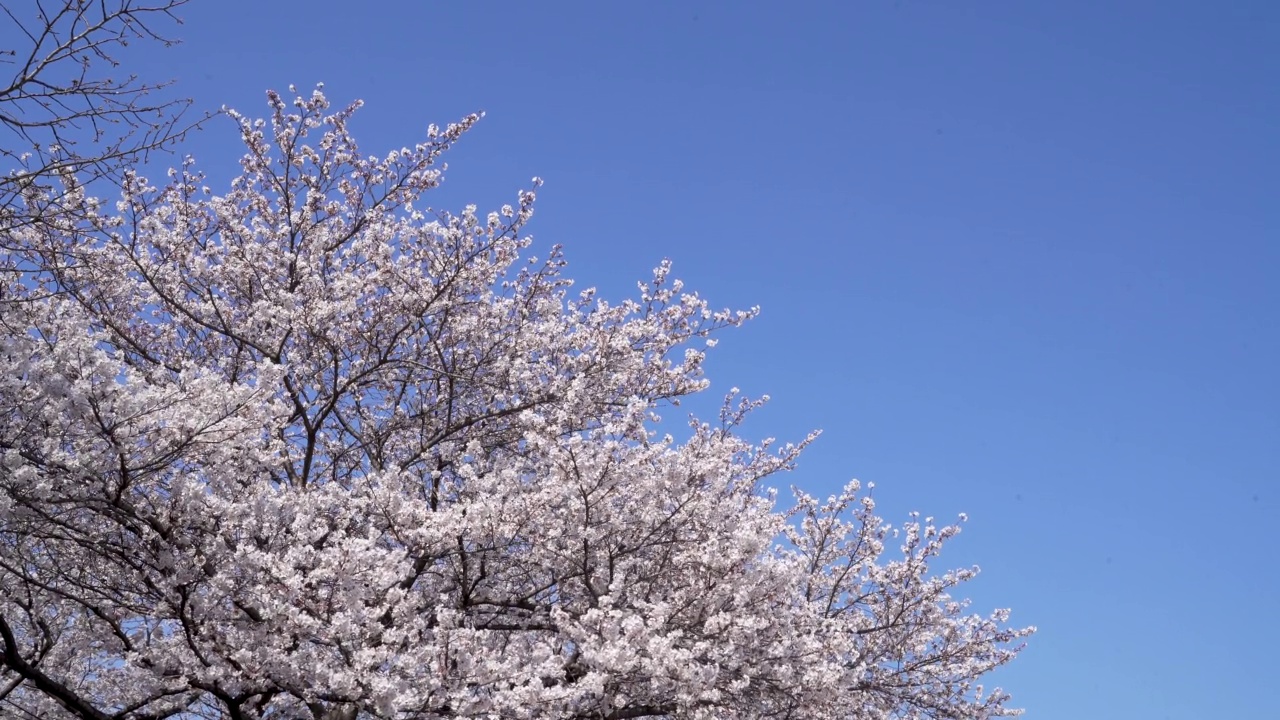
(308, 449)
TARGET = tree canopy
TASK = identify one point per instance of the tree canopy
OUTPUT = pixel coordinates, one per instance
(307, 448)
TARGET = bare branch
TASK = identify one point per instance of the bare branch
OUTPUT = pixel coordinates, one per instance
(64, 106)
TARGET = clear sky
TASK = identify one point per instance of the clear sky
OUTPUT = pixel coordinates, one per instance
(1017, 259)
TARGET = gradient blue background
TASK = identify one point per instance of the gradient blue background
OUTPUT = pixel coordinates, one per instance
(1018, 259)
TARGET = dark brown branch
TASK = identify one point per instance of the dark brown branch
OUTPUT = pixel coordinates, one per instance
(67, 111)
(64, 695)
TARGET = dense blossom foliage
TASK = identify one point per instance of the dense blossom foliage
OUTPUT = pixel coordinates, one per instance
(308, 449)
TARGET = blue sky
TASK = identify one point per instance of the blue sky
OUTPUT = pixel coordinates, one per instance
(1017, 259)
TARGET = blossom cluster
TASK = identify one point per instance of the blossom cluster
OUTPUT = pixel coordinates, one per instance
(311, 449)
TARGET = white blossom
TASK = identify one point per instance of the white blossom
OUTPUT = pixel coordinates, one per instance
(306, 449)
